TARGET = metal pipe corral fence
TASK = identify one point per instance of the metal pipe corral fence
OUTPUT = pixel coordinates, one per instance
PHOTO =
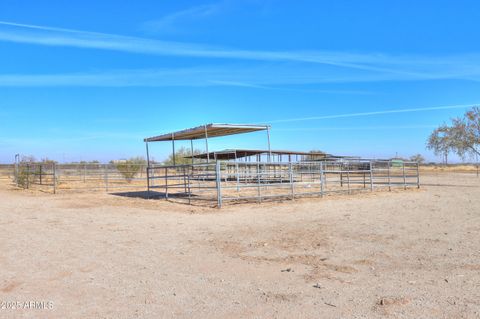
(223, 181)
(86, 177)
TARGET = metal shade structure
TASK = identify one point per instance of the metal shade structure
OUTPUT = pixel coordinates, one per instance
(204, 132)
(234, 154)
(208, 130)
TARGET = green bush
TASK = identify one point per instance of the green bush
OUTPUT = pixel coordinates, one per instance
(129, 168)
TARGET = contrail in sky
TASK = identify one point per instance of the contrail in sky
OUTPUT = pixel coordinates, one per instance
(407, 110)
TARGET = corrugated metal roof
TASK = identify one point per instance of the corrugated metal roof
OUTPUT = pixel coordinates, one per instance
(210, 130)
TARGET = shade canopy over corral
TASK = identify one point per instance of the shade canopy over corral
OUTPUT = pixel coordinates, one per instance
(230, 154)
(207, 131)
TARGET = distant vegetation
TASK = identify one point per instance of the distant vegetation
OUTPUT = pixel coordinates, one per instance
(129, 168)
(462, 136)
(30, 170)
(180, 155)
(417, 158)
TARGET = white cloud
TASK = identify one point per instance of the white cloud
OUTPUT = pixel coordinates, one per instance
(374, 65)
(381, 112)
(173, 22)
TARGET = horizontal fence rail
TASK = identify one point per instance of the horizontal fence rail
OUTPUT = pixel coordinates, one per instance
(221, 182)
(55, 178)
(217, 183)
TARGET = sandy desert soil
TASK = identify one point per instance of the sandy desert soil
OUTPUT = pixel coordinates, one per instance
(400, 254)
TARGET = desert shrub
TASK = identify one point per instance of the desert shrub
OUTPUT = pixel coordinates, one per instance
(26, 171)
(129, 168)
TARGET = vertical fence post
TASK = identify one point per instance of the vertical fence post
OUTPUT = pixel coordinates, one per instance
(218, 179)
(404, 177)
(341, 175)
(84, 171)
(189, 190)
(290, 173)
(105, 177)
(41, 171)
(166, 183)
(389, 182)
(54, 178)
(237, 168)
(148, 181)
(184, 180)
(16, 173)
(321, 179)
(259, 194)
(28, 176)
(348, 178)
(418, 176)
(371, 176)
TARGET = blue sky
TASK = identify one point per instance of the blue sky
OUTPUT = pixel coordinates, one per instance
(90, 79)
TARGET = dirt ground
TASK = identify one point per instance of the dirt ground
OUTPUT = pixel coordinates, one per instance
(399, 254)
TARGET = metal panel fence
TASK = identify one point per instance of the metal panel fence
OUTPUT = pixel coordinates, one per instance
(52, 177)
(220, 182)
(216, 183)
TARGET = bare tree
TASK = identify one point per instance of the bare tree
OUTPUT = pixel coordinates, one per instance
(465, 133)
(440, 142)
(462, 137)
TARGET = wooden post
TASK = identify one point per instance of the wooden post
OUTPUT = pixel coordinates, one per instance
(404, 177)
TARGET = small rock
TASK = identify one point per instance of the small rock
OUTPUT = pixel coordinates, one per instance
(287, 270)
(317, 285)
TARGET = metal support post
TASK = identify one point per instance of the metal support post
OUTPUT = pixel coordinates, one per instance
(269, 148)
(218, 179)
(348, 178)
(191, 149)
(371, 176)
(105, 168)
(206, 143)
(148, 181)
(389, 182)
(290, 173)
(418, 175)
(54, 178)
(321, 179)
(166, 183)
